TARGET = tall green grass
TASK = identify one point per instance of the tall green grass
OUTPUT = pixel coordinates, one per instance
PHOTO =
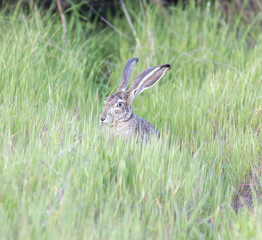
(61, 178)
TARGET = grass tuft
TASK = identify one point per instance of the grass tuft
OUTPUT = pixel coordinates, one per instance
(62, 178)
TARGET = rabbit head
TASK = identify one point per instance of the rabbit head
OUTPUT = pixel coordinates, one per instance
(118, 107)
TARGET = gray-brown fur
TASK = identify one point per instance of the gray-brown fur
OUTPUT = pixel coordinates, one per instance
(118, 113)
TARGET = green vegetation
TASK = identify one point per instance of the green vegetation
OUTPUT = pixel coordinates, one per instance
(60, 178)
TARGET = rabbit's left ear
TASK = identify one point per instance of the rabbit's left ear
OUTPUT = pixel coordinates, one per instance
(146, 79)
(126, 74)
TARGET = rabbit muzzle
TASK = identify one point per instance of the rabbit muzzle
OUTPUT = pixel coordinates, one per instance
(104, 118)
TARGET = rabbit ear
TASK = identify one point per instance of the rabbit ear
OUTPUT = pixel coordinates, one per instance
(126, 74)
(146, 79)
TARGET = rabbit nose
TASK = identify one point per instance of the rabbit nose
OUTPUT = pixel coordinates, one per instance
(102, 118)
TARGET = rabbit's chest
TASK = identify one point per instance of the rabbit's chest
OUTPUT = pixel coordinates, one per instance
(125, 129)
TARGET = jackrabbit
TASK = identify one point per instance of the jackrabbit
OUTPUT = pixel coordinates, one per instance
(118, 113)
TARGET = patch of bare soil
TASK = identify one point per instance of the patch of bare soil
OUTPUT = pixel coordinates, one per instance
(249, 190)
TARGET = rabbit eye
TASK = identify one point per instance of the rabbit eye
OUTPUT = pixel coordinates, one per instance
(120, 104)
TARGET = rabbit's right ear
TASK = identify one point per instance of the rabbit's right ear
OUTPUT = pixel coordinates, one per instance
(126, 74)
(145, 80)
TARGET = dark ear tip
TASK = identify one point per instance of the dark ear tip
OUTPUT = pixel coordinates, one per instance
(134, 59)
(167, 66)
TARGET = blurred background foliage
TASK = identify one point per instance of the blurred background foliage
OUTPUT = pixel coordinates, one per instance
(247, 9)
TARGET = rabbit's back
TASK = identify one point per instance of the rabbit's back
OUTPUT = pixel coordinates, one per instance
(144, 129)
